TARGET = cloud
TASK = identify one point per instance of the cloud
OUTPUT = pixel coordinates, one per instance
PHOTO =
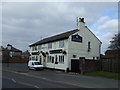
(103, 19)
(106, 41)
(110, 25)
(24, 23)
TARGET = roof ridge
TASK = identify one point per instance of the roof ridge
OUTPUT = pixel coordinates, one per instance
(15, 49)
(57, 37)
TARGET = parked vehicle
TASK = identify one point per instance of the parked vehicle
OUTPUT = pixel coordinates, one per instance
(35, 65)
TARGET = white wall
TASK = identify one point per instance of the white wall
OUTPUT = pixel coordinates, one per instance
(81, 49)
(74, 48)
(55, 46)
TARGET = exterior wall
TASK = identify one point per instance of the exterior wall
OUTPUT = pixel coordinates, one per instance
(114, 54)
(15, 54)
(5, 55)
(81, 49)
(55, 46)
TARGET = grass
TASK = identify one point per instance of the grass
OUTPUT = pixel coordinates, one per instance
(110, 75)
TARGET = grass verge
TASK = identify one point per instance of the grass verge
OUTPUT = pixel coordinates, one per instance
(110, 75)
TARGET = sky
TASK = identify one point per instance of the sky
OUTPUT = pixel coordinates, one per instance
(24, 23)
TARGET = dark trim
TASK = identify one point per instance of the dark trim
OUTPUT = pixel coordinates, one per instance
(55, 51)
(58, 37)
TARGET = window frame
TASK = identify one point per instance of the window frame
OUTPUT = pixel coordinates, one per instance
(61, 43)
(61, 59)
(50, 45)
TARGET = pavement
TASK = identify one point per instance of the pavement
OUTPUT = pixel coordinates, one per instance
(20, 77)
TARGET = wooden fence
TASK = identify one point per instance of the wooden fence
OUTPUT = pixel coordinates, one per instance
(87, 65)
(106, 65)
(15, 61)
(109, 65)
(91, 65)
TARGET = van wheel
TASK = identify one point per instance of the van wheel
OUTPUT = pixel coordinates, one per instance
(28, 68)
(35, 69)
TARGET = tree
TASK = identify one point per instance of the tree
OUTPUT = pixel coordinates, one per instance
(115, 43)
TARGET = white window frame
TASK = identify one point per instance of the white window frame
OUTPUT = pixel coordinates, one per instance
(49, 45)
(39, 47)
(61, 59)
(61, 43)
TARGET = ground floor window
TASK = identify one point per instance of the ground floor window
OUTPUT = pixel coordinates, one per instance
(36, 58)
(61, 59)
(50, 59)
(56, 59)
(33, 58)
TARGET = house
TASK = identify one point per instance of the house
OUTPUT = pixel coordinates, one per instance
(113, 54)
(4, 54)
(14, 53)
(25, 55)
(58, 51)
(10, 54)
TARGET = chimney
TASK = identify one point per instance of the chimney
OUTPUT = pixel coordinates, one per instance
(9, 47)
(80, 23)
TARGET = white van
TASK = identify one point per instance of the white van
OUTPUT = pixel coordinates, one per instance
(35, 65)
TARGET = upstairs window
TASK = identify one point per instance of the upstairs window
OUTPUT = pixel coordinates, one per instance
(61, 43)
(49, 45)
(89, 46)
(34, 48)
(39, 47)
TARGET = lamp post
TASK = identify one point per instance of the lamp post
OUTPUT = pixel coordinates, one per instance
(8, 58)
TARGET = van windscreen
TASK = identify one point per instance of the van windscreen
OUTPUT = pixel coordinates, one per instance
(36, 63)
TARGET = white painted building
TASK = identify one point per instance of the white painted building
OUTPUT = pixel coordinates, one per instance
(58, 51)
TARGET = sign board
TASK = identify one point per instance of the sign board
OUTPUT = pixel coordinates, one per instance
(76, 38)
(56, 51)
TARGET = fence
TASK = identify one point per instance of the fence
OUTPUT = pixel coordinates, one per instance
(109, 65)
(82, 65)
(91, 65)
(15, 61)
(87, 65)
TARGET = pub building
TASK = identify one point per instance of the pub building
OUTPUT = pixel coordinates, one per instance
(58, 51)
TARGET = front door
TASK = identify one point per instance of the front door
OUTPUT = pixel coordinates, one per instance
(44, 61)
(40, 60)
(75, 65)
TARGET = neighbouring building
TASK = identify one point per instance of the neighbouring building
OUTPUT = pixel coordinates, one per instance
(14, 53)
(4, 54)
(113, 54)
(10, 53)
(58, 51)
(25, 55)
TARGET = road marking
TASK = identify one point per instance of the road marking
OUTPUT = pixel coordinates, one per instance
(36, 86)
(44, 79)
(13, 80)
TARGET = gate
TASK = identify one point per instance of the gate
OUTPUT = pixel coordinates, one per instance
(75, 65)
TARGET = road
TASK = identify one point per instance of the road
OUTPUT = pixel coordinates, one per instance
(18, 76)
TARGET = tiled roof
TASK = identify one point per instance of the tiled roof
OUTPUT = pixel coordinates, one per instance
(2, 48)
(61, 36)
(15, 50)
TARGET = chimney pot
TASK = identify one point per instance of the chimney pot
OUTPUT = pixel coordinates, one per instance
(81, 20)
(80, 23)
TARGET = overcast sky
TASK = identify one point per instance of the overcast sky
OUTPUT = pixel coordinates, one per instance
(26, 23)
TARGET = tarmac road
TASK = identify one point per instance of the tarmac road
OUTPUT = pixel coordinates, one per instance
(19, 75)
